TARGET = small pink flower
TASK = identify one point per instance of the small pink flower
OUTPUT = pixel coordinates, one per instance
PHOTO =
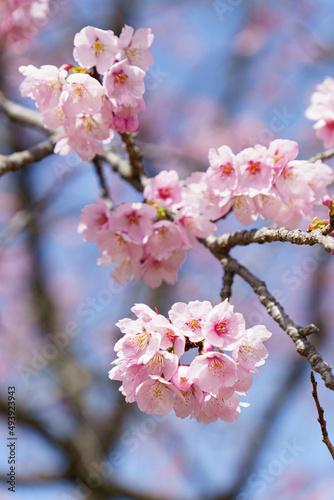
(245, 209)
(84, 134)
(156, 396)
(95, 47)
(165, 189)
(193, 227)
(190, 318)
(250, 352)
(255, 171)
(190, 403)
(94, 220)
(134, 220)
(213, 372)
(162, 363)
(125, 119)
(282, 151)
(43, 84)
(140, 343)
(165, 238)
(225, 407)
(205, 199)
(223, 327)
(82, 94)
(156, 271)
(124, 83)
(325, 129)
(221, 175)
(144, 312)
(134, 46)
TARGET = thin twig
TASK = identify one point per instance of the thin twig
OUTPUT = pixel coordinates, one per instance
(321, 419)
(275, 310)
(135, 155)
(103, 184)
(324, 155)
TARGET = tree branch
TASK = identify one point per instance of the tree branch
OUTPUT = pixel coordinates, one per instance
(103, 184)
(21, 115)
(321, 419)
(226, 291)
(124, 169)
(324, 155)
(135, 155)
(275, 310)
(17, 161)
(221, 245)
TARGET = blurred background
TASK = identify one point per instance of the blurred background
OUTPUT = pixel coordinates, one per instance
(232, 72)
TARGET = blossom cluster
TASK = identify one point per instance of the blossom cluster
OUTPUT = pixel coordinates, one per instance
(20, 19)
(149, 239)
(145, 239)
(269, 182)
(102, 95)
(321, 110)
(208, 389)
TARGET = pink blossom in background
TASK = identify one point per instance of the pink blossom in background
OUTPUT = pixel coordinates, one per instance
(20, 20)
(321, 110)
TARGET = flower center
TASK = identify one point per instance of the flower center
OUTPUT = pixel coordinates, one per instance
(226, 169)
(102, 219)
(120, 78)
(253, 167)
(133, 218)
(164, 193)
(98, 47)
(221, 328)
(194, 324)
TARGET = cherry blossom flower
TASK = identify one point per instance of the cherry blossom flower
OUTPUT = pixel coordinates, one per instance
(251, 352)
(226, 407)
(282, 151)
(165, 238)
(190, 318)
(140, 343)
(190, 402)
(156, 396)
(223, 327)
(165, 189)
(95, 47)
(255, 171)
(221, 175)
(82, 94)
(134, 220)
(213, 372)
(124, 83)
(134, 45)
(155, 271)
(43, 84)
(94, 220)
